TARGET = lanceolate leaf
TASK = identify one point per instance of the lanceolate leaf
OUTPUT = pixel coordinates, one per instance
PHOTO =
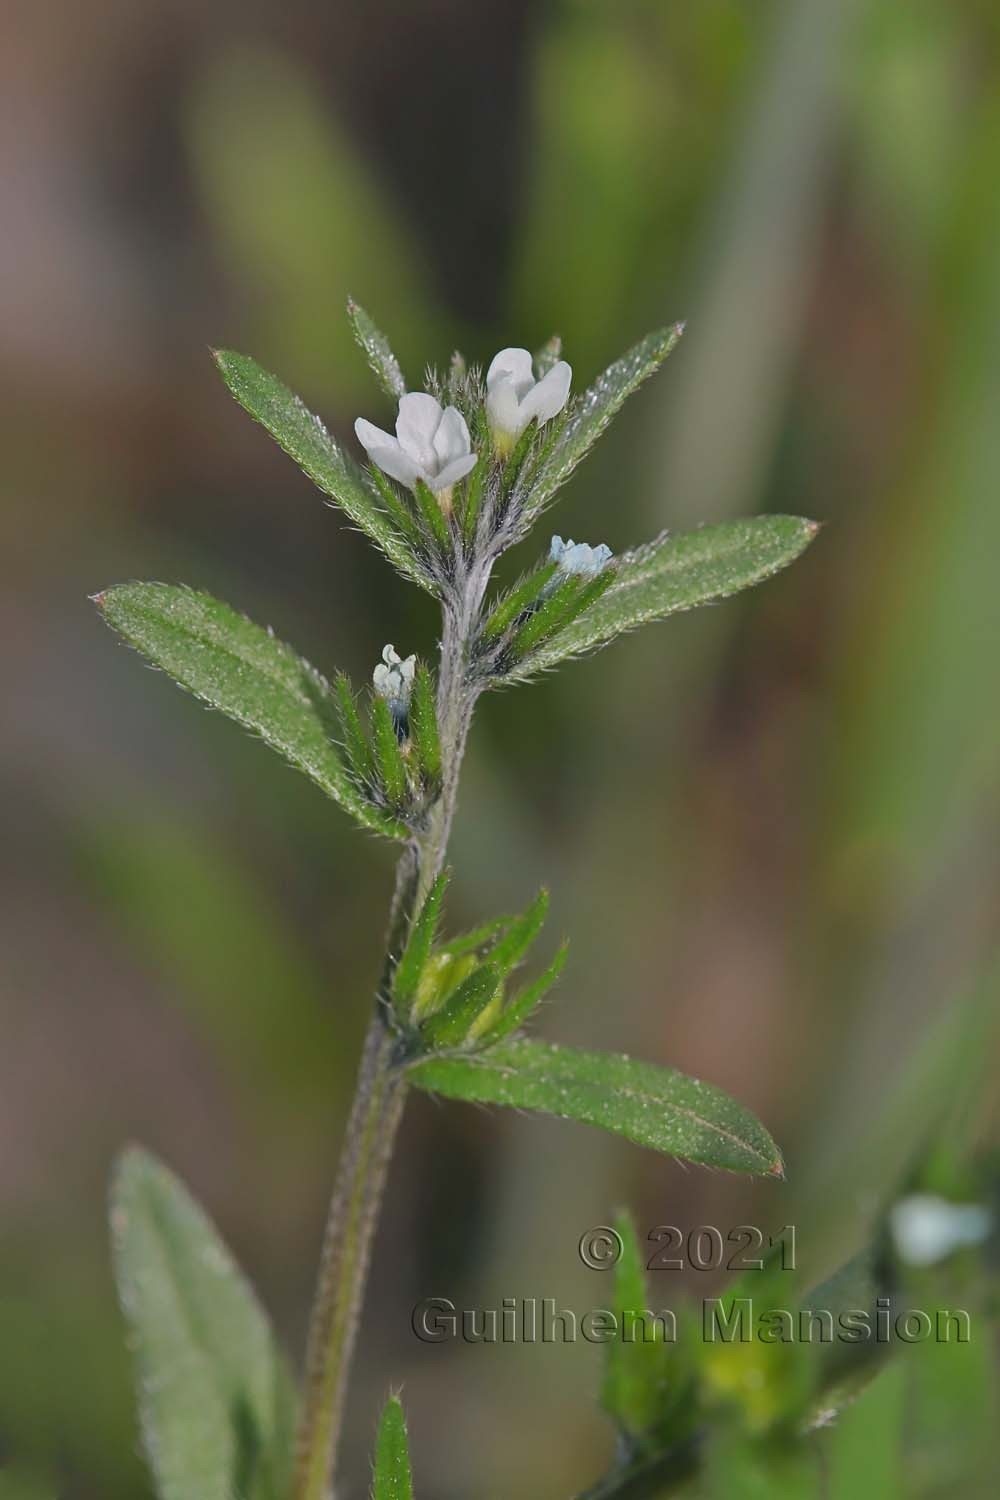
(216, 1399)
(591, 413)
(392, 1456)
(383, 363)
(656, 1107)
(306, 440)
(240, 669)
(673, 574)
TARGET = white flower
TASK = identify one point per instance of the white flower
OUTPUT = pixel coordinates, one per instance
(578, 557)
(514, 396)
(926, 1228)
(393, 680)
(431, 444)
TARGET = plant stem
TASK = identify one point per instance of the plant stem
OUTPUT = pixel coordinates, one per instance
(379, 1095)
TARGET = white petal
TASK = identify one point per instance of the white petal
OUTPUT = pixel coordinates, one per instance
(549, 396)
(452, 473)
(398, 465)
(370, 436)
(452, 437)
(502, 408)
(418, 420)
(516, 363)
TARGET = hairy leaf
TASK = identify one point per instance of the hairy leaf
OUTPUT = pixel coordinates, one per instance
(454, 1022)
(216, 1399)
(384, 364)
(413, 960)
(527, 1000)
(392, 1480)
(653, 1106)
(673, 574)
(240, 669)
(590, 414)
(306, 440)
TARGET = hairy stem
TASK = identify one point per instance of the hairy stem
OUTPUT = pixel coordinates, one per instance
(380, 1092)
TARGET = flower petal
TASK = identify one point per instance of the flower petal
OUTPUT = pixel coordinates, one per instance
(452, 473)
(549, 396)
(502, 409)
(370, 436)
(452, 437)
(418, 420)
(515, 363)
(398, 465)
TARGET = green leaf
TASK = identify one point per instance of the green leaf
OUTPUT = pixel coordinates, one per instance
(507, 952)
(388, 756)
(371, 339)
(240, 669)
(452, 1024)
(527, 1000)
(590, 414)
(420, 941)
(359, 752)
(424, 727)
(672, 574)
(655, 1107)
(306, 440)
(216, 1399)
(516, 601)
(392, 1479)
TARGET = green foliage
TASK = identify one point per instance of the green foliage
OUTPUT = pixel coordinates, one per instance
(424, 727)
(217, 1402)
(515, 602)
(306, 440)
(243, 671)
(652, 1106)
(384, 364)
(526, 1000)
(355, 741)
(590, 414)
(417, 950)
(454, 1021)
(645, 1383)
(392, 1480)
(673, 574)
(389, 764)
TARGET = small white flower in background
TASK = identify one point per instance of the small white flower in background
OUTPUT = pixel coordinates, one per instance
(432, 443)
(579, 558)
(514, 396)
(393, 680)
(926, 1228)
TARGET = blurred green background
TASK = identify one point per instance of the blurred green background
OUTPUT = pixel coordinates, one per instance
(770, 828)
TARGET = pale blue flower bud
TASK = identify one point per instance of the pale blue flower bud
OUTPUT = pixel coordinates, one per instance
(579, 558)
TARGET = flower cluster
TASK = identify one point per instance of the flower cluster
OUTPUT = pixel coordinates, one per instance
(432, 442)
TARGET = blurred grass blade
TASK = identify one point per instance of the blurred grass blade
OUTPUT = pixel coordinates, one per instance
(672, 574)
(306, 440)
(640, 1384)
(371, 339)
(655, 1107)
(217, 1401)
(591, 413)
(240, 669)
(392, 1479)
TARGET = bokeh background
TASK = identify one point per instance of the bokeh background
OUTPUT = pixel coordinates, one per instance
(770, 828)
